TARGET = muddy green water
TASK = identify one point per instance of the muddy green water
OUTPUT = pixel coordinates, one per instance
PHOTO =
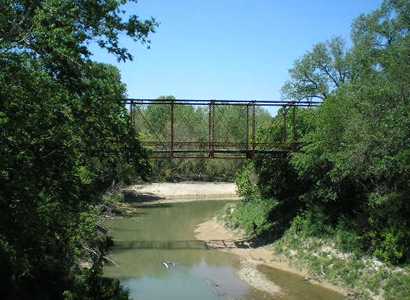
(165, 233)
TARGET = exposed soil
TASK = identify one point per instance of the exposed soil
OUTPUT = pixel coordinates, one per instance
(252, 257)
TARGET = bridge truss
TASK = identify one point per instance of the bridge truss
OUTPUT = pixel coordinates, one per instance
(228, 129)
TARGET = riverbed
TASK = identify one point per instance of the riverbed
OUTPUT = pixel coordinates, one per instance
(157, 257)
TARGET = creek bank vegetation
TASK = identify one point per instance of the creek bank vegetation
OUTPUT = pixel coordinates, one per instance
(65, 141)
(340, 207)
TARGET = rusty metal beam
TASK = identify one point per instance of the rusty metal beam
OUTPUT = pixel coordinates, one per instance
(285, 125)
(253, 128)
(210, 142)
(294, 124)
(132, 112)
(211, 154)
(247, 127)
(172, 130)
(225, 102)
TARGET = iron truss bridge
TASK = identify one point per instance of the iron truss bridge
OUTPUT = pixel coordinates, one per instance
(228, 129)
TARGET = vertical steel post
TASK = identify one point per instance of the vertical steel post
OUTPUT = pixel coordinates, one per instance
(172, 129)
(294, 123)
(209, 129)
(253, 128)
(247, 129)
(285, 125)
(132, 112)
(213, 129)
(130, 127)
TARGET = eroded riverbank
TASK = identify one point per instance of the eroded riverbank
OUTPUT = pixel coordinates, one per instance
(251, 258)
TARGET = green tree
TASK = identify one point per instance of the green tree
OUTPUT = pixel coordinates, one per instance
(358, 155)
(64, 141)
(319, 72)
(274, 179)
(353, 165)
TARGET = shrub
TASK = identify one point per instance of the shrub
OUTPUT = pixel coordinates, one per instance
(389, 245)
(254, 216)
(243, 180)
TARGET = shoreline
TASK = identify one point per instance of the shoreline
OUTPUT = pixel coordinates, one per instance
(252, 257)
(164, 192)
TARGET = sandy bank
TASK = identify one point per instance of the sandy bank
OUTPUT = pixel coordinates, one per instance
(181, 192)
(252, 257)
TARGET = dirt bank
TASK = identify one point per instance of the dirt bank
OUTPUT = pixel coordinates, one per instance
(252, 257)
(181, 192)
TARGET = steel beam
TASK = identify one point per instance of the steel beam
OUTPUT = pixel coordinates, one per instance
(285, 125)
(172, 130)
(225, 102)
(253, 128)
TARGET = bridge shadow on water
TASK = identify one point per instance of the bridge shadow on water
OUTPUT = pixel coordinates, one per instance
(181, 244)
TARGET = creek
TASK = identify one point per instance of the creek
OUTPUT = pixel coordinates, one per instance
(158, 258)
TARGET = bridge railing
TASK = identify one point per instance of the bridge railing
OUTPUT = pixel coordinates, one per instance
(177, 128)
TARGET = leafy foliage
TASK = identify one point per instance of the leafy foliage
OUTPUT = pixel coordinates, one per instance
(276, 178)
(254, 216)
(245, 181)
(331, 253)
(353, 166)
(319, 72)
(64, 141)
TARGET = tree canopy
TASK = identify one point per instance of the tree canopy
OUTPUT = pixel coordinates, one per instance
(65, 140)
(319, 72)
(354, 160)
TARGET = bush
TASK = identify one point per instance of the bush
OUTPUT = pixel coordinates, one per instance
(398, 286)
(389, 245)
(253, 216)
(348, 239)
(243, 180)
(310, 223)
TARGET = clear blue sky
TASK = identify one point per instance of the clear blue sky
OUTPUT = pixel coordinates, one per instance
(229, 49)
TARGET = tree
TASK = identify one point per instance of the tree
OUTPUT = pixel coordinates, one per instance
(64, 141)
(354, 161)
(275, 180)
(59, 31)
(319, 72)
(358, 154)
